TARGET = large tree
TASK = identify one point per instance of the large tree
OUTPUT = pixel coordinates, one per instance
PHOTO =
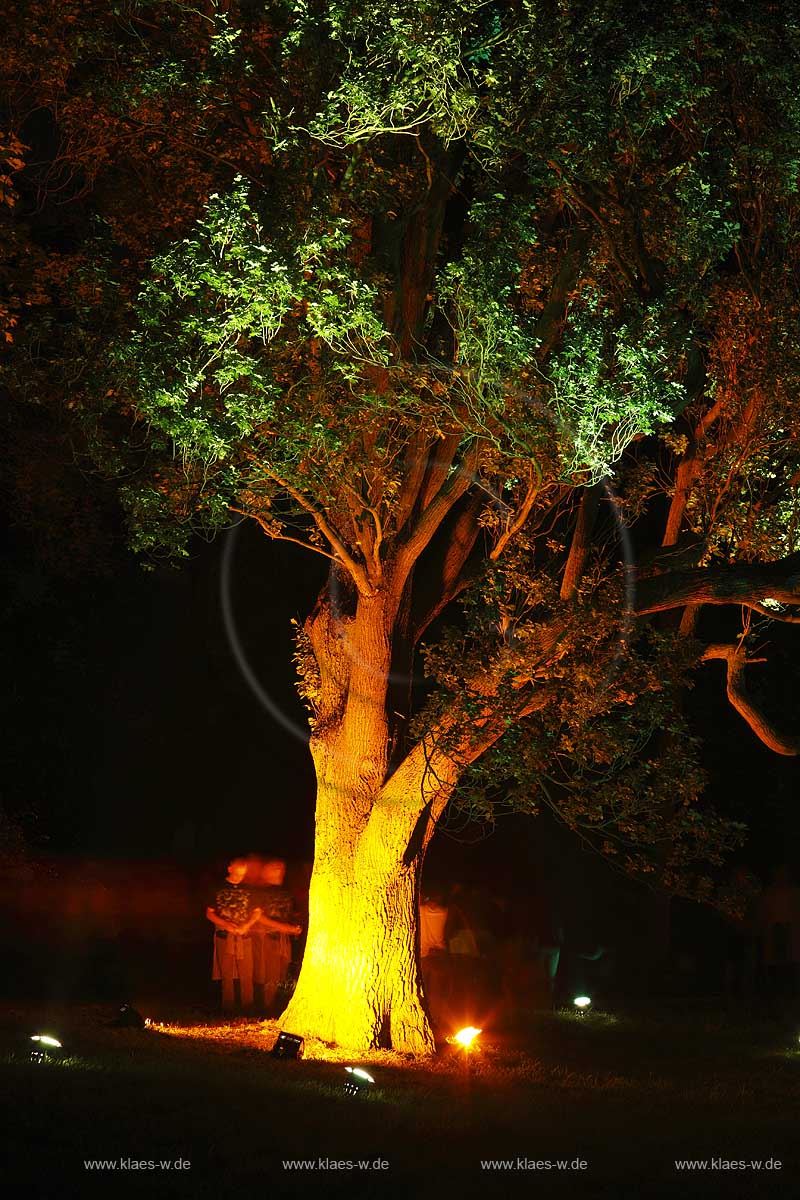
(494, 307)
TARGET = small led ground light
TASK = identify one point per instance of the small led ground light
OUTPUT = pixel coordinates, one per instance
(582, 1004)
(357, 1082)
(43, 1047)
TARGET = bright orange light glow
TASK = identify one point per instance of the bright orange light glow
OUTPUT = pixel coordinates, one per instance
(465, 1037)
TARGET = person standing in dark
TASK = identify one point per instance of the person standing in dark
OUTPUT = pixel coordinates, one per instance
(233, 915)
(779, 927)
(739, 970)
(271, 932)
(434, 954)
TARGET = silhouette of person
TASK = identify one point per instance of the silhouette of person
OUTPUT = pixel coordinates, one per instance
(779, 926)
(740, 943)
(233, 916)
(434, 953)
(271, 932)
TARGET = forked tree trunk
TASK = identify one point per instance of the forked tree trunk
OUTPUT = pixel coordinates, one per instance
(359, 986)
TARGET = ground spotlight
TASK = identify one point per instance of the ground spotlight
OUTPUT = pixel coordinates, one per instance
(582, 1003)
(288, 1045)
(43, 1047)
(128, 1018)
(466, 1036)
(357, 1082)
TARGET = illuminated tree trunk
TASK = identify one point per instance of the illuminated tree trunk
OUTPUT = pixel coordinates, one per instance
(359, 986)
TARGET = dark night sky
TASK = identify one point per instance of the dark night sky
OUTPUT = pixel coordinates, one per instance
(133, 733)
(130, 715)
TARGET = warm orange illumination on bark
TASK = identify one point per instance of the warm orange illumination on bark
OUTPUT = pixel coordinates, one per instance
(359, 987)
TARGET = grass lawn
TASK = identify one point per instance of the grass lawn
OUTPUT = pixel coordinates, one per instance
(626, 1095)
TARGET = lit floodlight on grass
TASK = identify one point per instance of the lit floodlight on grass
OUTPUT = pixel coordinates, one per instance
(42, 1046)
(582, 1003)
(358, 1080)
(466, 1036)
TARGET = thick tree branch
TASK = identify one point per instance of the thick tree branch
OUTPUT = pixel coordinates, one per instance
(581, 541)
(430, 519)
(444, 578)
(762, 727)
(686, 474)
(439, 464)
(416, 464)
(738, 584)
(552, 315)
(420, 246)
(368, 534)
(438, 759)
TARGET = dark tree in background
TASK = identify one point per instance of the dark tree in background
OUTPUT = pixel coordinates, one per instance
(492, 306)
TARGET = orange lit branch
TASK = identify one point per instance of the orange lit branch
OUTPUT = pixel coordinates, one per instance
(736, 660)
(437, 583)
(282, 537)
(419, 537)
(439, 464)
(416, 464)
(440, 756)
(581, 542)
(515, 524)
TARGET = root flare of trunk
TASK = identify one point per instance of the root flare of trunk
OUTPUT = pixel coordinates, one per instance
(359, 986)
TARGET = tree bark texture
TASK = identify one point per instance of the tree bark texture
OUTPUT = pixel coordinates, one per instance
(360, 985)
